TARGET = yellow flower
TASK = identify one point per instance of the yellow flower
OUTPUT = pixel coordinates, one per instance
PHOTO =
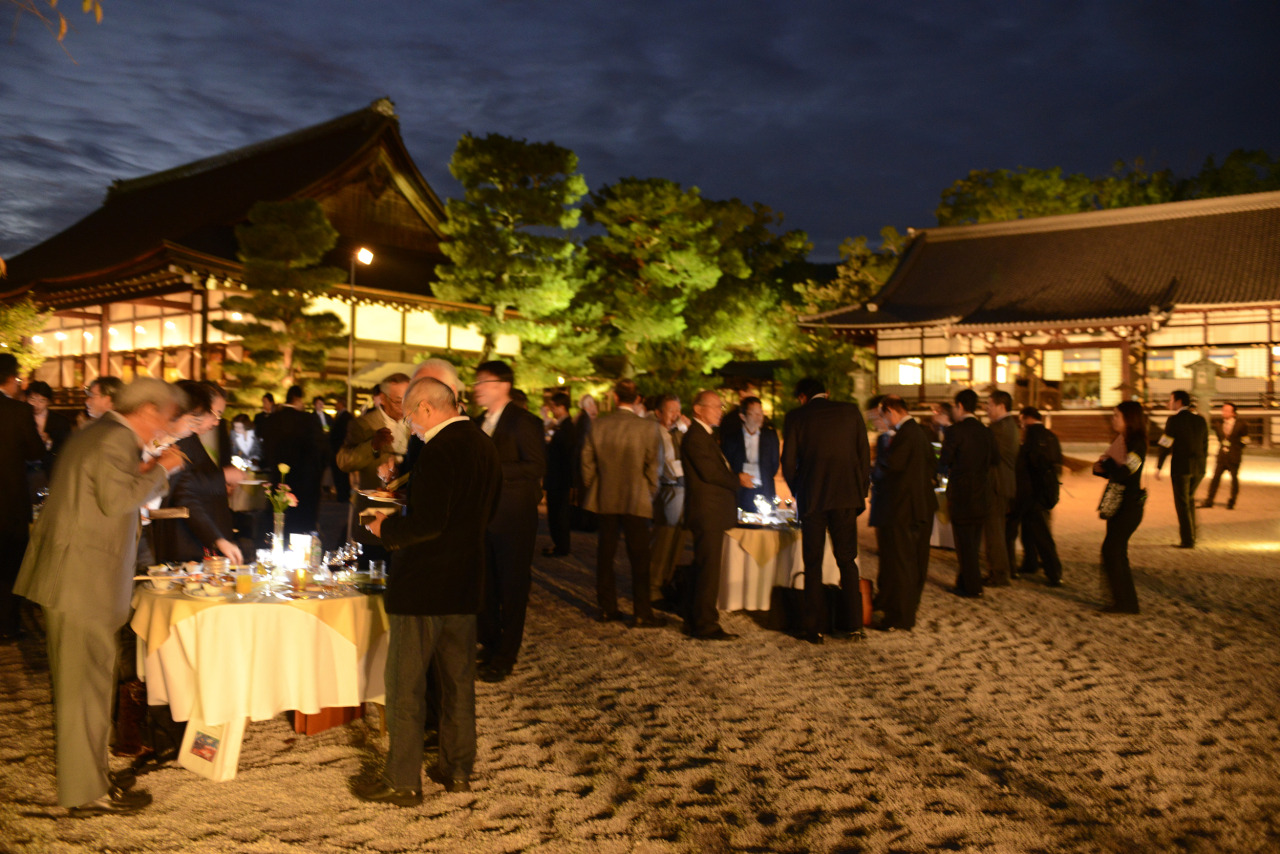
(284, 468)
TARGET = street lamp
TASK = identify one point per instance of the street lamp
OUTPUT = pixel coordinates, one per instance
(364, 256)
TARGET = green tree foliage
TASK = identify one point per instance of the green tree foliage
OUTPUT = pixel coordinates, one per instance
(18, 322)
(658, 252)
(510, 243)
(820, 352)
(282, 246)
(1241, 172)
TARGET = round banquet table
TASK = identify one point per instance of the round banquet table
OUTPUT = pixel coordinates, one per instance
(756, 560)
(225, 662)
(942, 536)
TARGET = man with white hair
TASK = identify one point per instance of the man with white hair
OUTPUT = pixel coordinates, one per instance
(433, 594)
(80, 567)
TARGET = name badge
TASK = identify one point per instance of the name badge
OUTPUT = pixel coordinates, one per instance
(1166, 441)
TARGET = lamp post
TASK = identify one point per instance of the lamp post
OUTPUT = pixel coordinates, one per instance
(364, 256)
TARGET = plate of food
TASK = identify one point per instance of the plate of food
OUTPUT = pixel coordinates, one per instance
(381, 495)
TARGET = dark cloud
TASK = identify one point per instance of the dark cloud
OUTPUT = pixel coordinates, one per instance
(845, 117)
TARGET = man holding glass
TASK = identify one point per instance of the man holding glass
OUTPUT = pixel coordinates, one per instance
(433, 594)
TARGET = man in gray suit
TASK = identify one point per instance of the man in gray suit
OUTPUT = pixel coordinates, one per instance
(1002, 524)
(80, 567)
(620, 475)
(667, 542)
(374, 440)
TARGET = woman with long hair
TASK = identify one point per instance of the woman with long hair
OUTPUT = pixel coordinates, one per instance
(1122, 465)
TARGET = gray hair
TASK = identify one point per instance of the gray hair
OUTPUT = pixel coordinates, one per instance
(144, 390)
(440, 370)
(433, 391)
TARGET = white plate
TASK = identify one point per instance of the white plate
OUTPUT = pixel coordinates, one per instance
(205, 594)
(369, 494)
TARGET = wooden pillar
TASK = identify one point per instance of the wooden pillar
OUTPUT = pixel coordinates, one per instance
(104, 342)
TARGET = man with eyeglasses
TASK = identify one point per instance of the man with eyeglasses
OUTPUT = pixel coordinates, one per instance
(512, 534)
(711, 508)
(100, 396)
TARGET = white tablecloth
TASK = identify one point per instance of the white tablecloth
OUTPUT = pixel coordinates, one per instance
(942, 536)
(236, 660)
(755, 560)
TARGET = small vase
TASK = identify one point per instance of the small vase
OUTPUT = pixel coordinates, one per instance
(277, 542)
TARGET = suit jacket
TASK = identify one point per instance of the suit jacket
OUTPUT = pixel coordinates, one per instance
(1003, 480)
(83, 546)
(295, 438)
(201, 487)
(1040, 449)
(711, 487)
(560, 455)
(826, 457)
(1231, 447)
(357, 455)
(19, 443)
(1186, 438)
(522, 450)
(58, 428)
(620, 464)
(734, 444)
(581, 430)
(437, 546)
(907, 490)
(968, 454)
(338, 426)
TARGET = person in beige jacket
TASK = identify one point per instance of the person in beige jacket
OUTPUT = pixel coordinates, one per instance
(79, 567)
(620, 476)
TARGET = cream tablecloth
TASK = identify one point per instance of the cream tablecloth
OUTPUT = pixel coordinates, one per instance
(755, 560)
(942, 535)
(228, 661)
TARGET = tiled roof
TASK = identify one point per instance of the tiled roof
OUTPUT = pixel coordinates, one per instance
(1104, 264)
(196, 206)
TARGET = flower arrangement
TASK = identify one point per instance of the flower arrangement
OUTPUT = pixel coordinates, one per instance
(280, 496)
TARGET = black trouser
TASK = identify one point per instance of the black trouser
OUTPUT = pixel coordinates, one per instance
(702, 617)
(508, 556)
(448, 642)
(1115, 555)
(341, 481)
(1037, 542)
(636, 529)
(1184, 502)
(998, 536)
(842, 524)
(558, 518)
(13, 544)
(968, 537)
(1233, 468)
(904, 566)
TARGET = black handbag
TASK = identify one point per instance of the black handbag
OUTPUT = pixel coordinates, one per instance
(1112, 496)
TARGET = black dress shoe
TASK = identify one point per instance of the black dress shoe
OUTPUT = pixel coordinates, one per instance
(854, 635)
(1207, 505)
(1231, 505)
(1115, 609)
(125, 779)
(964, 594)
(117, 801)
(1185, 546)
(814, 638)
(381, 792)
(653, 621)
(717, 635)
(553, 553)
(451, 784)
(608, 617)
(1053, 582)
(494, 672)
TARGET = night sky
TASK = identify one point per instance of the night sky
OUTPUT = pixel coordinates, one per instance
(845, 116)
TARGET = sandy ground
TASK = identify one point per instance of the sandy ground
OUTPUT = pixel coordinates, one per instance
(1023, 722)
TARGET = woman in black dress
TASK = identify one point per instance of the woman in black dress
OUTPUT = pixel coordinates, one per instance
(1122, 465)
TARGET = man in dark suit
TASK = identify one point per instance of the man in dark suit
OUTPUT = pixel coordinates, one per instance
(433, 594)
(294, 437)
(1038, 468)
(620, 475)
(1233, 435)
(906, 518)
(751, 447)
(1001, 528)
(667, 542)
(558, 482)
(967, 456)
(710, 508)
(517, 434)
(19, 443)
(338, 426)
(260, 420)
(826, 460)
(79, 567)
(1186, 438)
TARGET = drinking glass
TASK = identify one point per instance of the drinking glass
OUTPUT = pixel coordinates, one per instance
(377, 570)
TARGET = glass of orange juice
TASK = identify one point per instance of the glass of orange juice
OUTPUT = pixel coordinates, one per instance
(244, 582)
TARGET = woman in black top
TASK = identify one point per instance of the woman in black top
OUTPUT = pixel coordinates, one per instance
(1122, 464)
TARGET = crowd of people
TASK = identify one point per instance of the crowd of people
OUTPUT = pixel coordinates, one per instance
(461, 551)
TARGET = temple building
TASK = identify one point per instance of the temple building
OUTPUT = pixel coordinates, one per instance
(136, 285)
(1076, 313)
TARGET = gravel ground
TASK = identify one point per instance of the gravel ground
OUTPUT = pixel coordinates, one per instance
(1023, 722)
